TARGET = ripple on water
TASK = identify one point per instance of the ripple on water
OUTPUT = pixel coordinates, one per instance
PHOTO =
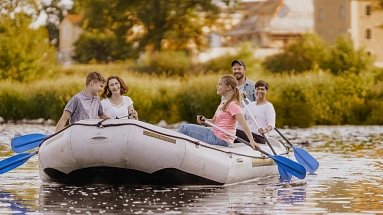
(348, 181)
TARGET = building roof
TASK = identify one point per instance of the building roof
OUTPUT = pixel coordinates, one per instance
(277, 17)
(296, 16)
(74, 18)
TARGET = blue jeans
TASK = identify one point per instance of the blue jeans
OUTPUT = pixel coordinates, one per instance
(201, 133)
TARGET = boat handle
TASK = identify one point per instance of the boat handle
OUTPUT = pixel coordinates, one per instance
(99, 136)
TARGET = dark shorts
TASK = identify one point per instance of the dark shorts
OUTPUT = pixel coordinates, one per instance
(241, 134)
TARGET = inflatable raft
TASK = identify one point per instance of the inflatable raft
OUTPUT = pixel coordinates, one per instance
(133, 152)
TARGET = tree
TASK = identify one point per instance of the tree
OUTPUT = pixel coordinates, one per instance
(42, 13)
(301, 56)
(141, 25)
(344, 57)
(25, 54)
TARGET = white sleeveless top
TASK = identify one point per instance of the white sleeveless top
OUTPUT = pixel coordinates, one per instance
(114, 111)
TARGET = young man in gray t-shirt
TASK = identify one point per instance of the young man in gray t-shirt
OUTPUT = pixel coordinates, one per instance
(86, 104)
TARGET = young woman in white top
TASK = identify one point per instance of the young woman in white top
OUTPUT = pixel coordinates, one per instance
(263, 111)
(114, 103)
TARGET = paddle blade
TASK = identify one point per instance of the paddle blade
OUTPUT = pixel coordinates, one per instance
(14, 162)
(290, 166)
(306, 160)
(285, 176)
(27, 142)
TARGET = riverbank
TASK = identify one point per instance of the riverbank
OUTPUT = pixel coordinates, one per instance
(302, 100)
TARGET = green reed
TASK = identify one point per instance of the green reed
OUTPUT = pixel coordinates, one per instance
(311, 98)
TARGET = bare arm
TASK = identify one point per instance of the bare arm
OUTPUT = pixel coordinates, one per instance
(132, 113)
(104, 116)
(201, 121)
(63, 120)
(241, 120)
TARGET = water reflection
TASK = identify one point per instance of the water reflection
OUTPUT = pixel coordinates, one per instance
(9, 204)
(251, 197)
(348, 181)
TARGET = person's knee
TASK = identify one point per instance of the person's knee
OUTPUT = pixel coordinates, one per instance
(182, 129)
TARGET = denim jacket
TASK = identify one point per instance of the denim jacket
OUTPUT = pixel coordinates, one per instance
(249, 88)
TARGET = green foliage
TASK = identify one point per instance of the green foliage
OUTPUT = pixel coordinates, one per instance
(169, 62)
(302, 55)
(141, 26)
(198, 96)
(245, 52)
(343, 57)
(25, 54)
(101, 48)
(303, 99)
(311, 53)
(12, 101)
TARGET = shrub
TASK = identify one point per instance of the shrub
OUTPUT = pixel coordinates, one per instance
(165, 62)
(302, 55)
(344, 57)
(245, 51)
(101, 48)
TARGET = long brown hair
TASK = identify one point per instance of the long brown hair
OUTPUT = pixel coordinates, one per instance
(106, 93)
(230, 80)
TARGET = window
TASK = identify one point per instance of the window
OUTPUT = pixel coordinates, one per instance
(341, 12)
(368, 33)
(66, 32)
(368, 10)
(320, 14)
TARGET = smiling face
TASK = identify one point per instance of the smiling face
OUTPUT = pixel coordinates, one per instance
(114, 86)
(222, 88)
(260, 92)
(238, 71)
(96, 87)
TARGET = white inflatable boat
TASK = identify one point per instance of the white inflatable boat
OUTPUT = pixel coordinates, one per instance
(133, 152)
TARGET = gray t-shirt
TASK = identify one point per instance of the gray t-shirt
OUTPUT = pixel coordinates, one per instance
(81, 106)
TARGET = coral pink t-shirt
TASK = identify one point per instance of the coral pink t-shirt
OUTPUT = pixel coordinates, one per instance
(226, 120)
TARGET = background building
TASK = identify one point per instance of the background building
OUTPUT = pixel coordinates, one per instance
(273, 23)
(361, 19)
(70, 31)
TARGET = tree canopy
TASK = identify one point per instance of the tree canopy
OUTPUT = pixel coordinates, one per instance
(25, 53)
(122, 29)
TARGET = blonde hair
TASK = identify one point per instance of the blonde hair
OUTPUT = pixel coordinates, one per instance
(230, 80)
(94, 75)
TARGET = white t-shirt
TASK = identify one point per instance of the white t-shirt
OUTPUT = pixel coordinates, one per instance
(264, 114)
(114, 111)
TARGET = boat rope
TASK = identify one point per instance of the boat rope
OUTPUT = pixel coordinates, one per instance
(196, 142)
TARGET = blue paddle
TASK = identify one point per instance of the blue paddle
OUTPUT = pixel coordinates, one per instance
(302, 156)
(286, 164)
(285, 176)
(27, 142)
(14, 162)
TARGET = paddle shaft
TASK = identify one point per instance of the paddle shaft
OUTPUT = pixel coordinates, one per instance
(302, 156)
(282, 162)
(284, 137)
(232, 135)
(14, 162)
(284, 174)
(258, 126)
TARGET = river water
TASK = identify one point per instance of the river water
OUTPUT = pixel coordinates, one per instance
(348, 181)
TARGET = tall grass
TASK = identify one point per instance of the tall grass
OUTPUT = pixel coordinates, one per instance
(310, 98)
